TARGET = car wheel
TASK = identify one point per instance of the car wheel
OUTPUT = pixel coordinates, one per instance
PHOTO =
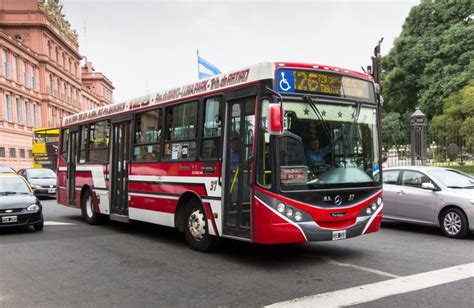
(196, 228)
(88, 209)
(39, 226)
(454, 223)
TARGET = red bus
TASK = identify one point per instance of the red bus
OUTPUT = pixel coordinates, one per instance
(272, 153)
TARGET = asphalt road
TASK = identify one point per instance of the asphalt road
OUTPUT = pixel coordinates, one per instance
(72, 264)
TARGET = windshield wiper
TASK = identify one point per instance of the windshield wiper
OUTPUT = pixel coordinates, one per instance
(460, 187)
(326, 129)
(9, 192)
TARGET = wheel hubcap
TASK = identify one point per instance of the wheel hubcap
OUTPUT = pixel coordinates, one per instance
(197, 225)
(89, 207)
(452, 223)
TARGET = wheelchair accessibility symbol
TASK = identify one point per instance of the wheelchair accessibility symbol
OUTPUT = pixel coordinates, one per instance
(285, 82)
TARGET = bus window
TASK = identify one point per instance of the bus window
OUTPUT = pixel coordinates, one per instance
(212, 128)
(147, 136)
(180, 138)
(64, 142)
(83, 145)
(264, 167)
(99, 142)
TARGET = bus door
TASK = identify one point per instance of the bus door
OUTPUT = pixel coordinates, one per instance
(119, 166)
(73, 144)
(239, 148)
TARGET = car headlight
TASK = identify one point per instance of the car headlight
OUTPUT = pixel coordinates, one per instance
(33, 208)
(36, 186)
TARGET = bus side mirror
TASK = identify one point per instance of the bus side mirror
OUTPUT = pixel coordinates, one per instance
(275, 123)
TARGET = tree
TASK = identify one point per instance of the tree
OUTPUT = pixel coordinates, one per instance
(395, 130)
(458, 116)
(431, 59)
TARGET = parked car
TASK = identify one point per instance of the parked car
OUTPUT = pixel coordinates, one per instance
(43, 180)
(18, 204)
(441, 197)
(6, 169)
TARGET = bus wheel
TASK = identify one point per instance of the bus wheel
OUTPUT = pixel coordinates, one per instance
(196, 228)
(88, 209)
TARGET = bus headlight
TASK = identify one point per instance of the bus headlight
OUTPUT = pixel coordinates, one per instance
(33, 208)
(289, 212)
(281, 207)
(298, 216)
(368, 210)
(379, 201)
(374, 206)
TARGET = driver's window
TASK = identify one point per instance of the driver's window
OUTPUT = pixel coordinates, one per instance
(291, 151)
(414, 179)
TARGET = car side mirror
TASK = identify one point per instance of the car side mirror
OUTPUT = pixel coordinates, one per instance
(428, 186)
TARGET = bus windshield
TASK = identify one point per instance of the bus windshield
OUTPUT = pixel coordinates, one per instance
(328, 145)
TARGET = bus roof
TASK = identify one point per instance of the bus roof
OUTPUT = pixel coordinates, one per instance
(247, 75)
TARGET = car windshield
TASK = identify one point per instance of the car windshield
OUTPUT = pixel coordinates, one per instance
(328, 145)
(4, 169)
(13, 185)
(453, 178)
(41, 174)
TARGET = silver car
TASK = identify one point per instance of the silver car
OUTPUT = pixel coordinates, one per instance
(430, 195)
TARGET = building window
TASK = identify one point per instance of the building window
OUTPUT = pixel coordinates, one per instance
(18, 112)
(22, 153)
(6, 67)
(30, 154)
(2, 151)
(8, 107)
(49, 49)
(25, 74)
(57, 55)
(59, 88)
(27, 114)
(51, 85)
(33, 79)
(35, 115)
(12, 152)
(15, 72)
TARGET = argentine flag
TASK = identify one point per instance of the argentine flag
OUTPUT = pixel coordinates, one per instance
(206, 68)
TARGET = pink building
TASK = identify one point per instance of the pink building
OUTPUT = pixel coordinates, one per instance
(41, 78)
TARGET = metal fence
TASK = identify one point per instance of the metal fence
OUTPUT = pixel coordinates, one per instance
(427, 147)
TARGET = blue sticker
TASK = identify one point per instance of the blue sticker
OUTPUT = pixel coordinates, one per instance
(285, 81)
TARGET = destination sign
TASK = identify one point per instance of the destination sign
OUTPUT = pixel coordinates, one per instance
(326, 83)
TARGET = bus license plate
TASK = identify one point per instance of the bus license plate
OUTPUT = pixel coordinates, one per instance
(338, 235)
(9, 219)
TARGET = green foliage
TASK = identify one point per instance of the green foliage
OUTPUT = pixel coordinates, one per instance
(458, 116)
(431, 59)
(395, 130)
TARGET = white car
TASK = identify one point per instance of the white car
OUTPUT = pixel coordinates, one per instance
(430, 195)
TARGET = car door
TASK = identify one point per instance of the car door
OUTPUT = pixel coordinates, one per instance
(390, 192)
(416, 203)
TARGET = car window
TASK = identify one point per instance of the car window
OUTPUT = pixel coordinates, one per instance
(414, 179)
(13, 185)
(390, 176)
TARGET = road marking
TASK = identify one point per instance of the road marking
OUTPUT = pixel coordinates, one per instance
(363, 268)
(58, 223)
(374, 291)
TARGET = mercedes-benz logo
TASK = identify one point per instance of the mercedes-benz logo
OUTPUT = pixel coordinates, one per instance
(338, 200)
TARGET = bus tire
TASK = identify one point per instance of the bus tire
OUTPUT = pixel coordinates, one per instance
(88, 209)
(196, 228)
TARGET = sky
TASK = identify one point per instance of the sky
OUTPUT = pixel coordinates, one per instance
(144, 46)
